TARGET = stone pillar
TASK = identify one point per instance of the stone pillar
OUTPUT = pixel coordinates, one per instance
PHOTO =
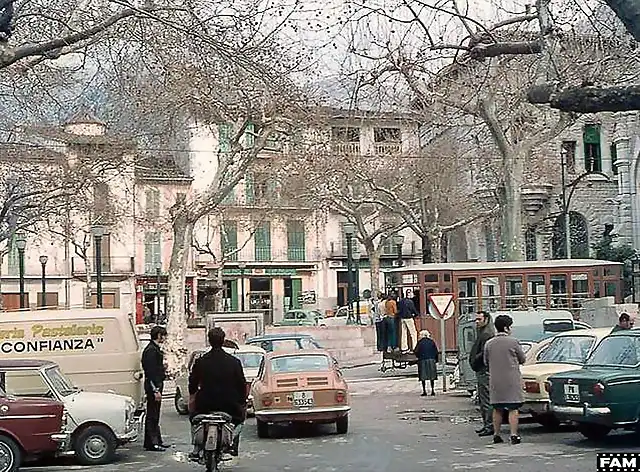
(622, 141)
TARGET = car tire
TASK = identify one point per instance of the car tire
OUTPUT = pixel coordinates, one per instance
(342, 425)
(182, 408)
(263, 428)
(95, 445)
(9, 448)
(593, 432)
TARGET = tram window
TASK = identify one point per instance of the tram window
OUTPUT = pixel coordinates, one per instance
(513, 296)
(559, 291)
(490, 293)
(608, 271)
(447, 277)
(431, 278)
(610, 289)
(537, 291)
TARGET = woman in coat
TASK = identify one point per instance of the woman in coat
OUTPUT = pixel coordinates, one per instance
(503, 355)
(427, 353)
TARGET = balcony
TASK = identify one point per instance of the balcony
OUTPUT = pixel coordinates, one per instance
(388, 148)
(296, 254)
(348, 148)
(110, 265)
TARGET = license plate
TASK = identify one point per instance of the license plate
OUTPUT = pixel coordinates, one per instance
(212, 439)
(302, 399)
(571, 393)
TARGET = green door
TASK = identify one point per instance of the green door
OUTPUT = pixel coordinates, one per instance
(296, 290)
(234, 295)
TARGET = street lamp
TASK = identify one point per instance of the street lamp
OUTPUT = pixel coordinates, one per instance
(98, 232)
(349, 231)
(43, 263)
(398, 240)
(158, 281)
(635, 271)
(242, 266)
(356, 294)
(21, 244)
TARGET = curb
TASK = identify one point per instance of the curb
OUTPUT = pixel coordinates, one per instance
(361, 364)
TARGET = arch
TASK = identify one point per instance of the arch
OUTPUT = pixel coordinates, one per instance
(579, 229)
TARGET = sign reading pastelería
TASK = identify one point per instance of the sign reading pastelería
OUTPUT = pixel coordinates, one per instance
(50, 338)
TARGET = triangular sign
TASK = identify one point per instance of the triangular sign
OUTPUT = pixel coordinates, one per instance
(441, 302)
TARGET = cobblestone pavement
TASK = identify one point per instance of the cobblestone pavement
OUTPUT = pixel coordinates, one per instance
(392, 429)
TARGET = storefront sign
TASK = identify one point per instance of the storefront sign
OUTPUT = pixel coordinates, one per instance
(67, 338)
(274, 272)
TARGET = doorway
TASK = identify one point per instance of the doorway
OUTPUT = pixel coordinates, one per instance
(292, 293)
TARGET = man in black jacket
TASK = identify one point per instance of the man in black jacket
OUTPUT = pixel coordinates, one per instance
(154, 375)
(485, 331)
(407, 312)
(217, 383)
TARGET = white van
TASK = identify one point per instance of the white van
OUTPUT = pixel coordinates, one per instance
(97, 349)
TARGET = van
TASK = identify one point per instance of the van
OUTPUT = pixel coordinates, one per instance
(529, 326)
(98, 349)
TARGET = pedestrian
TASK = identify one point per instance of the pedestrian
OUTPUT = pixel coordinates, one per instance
(154, 376)
(391, 310)
(503, 356)
(484, 332)
(624, 323)
(427, 353)
(407, 313)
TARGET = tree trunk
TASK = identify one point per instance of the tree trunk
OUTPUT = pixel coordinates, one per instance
(436, 247)
(427, 254)
(175, 347)
(2, 253)
(511, 240)
(87, 269)
(374, 266)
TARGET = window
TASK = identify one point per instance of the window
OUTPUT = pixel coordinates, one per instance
(259, 188)
(229, 240)
(592, 150)
(568, 350)
(345, 134)
(614, 158)
(105, 253)
(152, 252)
(101, 198)
(249, 360)
(569, 152)
(387, 140)
(618, 351)
(295, 364)
(531, 245)
(262, 242)
(153, 203)
(295, 240)
(224, 137)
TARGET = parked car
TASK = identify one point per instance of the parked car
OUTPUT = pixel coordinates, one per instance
(300, 386)
(302, 318)
(284, 342)
(250, 356)
(98, 422)
(604, 394)
(30, 428)
(564, 352)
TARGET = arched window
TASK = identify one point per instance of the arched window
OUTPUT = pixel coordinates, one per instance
(531, 245)
(579, 237)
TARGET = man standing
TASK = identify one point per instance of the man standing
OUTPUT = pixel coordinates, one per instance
(503, 356)
(154, 375)
(217, 383)
(624, 322)
(407, 312)
(484, 332)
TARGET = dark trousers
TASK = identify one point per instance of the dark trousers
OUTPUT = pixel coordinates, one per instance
(391, 331)
(483, 398)
(152, 435)
(381, 338)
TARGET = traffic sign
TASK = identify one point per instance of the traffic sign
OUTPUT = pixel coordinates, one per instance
(442, 305)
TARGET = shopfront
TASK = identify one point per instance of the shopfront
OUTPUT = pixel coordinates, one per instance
(151, 293)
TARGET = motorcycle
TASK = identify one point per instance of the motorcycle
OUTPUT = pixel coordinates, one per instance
(214, 436)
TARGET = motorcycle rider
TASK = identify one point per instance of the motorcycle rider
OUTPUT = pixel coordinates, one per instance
(217, 384)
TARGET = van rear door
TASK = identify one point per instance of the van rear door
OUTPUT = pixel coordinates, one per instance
(466, 338)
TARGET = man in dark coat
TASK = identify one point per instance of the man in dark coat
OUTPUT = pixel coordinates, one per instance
(485, 331)
(217, 383)
(407, 312)
(154, 375)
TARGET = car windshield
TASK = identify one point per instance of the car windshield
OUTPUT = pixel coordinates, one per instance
(622, 351)
(294, 364)
(62, 385)
(250, 360)
(526, 347)
(568, 350)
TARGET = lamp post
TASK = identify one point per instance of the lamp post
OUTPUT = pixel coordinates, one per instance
(242, 266)
(349, 231)
(158, 281)
(398, 240)
(21, 244)
(98, 232)
(43, 263)
(356, 259)
(635, 270)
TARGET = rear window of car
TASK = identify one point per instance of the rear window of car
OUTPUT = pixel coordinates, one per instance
(249, 360)
(294, 364)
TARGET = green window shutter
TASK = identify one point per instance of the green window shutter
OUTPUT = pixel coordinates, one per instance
(296, 289)
(296, 241)
(234, 295)
(262, 241)
(248, 187)
(230, 198)
(592, 134)
(592, 150)
(157, 251)
(249, 135)
(229, 240)
(224, 137)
